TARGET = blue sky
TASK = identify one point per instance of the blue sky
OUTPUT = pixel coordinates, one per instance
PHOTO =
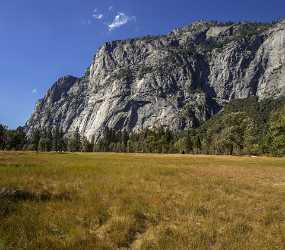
(43, 40)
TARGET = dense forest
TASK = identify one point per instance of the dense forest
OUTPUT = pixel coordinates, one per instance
(244, 127)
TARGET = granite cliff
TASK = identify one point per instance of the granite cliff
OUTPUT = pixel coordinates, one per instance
(178, 80)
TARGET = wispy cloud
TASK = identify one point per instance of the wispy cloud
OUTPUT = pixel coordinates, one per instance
(34, 91)
(98, 16)
(120, 20)
(109, 18)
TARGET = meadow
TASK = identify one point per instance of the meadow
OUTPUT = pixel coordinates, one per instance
(140, 201)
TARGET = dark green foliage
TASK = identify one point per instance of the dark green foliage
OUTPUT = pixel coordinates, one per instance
(149, 141)
(150, 38)
(87, 146)
(112, 141)
(123, 73)
(35, 139)
(3, 134)
(50, 139)
(210, 45)
(248, 30)
(16, 139)
(275, 136)
(87, 72)
(144, 70)
(46, 140)
(246, 126)
(56, 139)
(12, 139)
(74, 142)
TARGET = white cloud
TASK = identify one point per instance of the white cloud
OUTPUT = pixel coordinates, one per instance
(34, 91)
(120, 20)
(95, 10)
(110, 8)
(98, 16)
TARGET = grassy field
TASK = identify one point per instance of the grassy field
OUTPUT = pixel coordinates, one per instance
(136, 201)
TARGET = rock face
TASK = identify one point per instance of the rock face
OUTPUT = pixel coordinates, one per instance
(178, 80)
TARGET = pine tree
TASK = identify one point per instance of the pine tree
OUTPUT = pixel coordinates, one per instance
(3, 134)
(125, 139)
(62, 145)
(93, 143)
(86, 145)
(77, 140)
(56, 139)
(36, 136)
(49, 139)
(74, 142)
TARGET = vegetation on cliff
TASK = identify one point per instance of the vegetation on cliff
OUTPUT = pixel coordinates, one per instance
(245, 126)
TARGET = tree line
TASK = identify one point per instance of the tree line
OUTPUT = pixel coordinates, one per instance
(44, 140)
(246, 126)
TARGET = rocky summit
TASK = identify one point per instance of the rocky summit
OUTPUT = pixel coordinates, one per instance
(178, 80)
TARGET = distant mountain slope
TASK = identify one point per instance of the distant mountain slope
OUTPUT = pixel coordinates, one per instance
(178, 80)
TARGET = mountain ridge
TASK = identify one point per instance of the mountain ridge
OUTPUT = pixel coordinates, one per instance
(178, 80)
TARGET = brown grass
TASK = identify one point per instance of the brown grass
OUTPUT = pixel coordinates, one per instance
(137, 201)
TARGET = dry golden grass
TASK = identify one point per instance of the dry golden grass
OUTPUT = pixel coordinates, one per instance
(136, 201)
